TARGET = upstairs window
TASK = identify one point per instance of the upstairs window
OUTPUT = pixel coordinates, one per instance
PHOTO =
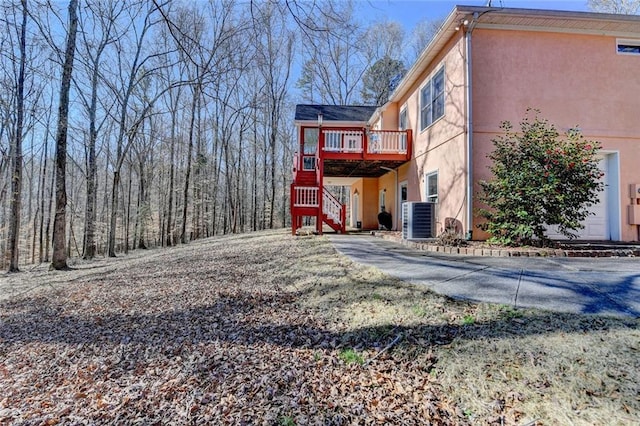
(310, 140)
(432, 100)
(628, 47)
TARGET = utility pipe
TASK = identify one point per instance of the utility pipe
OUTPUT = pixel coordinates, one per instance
(396, 192)
(469, 113)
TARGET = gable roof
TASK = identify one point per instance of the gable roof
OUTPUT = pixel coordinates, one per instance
(517, 19)
(340, 113)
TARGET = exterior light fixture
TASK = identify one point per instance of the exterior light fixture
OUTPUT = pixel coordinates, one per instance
(463, 23)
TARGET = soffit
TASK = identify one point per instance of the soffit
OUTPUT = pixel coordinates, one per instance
(560, 21)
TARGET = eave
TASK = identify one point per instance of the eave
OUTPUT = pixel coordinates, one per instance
(588, 23)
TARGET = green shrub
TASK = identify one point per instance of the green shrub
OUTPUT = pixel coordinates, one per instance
(539, 179)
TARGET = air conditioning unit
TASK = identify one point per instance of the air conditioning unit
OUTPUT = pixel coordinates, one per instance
(418, 220)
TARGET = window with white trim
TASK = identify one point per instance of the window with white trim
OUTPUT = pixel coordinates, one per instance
(628, 47)
(310, 146)
(431, 180)
(432, 100)
(402, 119)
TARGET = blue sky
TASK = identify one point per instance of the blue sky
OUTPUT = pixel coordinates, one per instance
(409, 12)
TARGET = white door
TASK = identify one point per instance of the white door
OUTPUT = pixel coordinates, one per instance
(596, 225)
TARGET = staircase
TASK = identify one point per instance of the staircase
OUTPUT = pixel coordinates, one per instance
(310, 198)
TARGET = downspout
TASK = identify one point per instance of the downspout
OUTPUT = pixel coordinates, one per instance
(397, 197)
(469, 128)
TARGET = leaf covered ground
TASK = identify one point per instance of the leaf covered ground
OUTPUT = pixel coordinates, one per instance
(266, 328)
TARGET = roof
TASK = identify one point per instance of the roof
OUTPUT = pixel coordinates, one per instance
(518, 19)
(334, 113)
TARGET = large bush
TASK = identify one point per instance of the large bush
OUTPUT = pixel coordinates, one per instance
(540, 178)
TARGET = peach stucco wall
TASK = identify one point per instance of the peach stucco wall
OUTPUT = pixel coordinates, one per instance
(441, 146)
(367, 189)
(574, 80)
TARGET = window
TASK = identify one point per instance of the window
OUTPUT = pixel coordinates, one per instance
(383, 199)
(402, 119)
(310, 145)
(432, 100)
(628, 47)
(432, 187)
(310, 140)
(404, 192)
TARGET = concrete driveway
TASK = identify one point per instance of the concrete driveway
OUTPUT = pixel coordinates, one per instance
(606, 286)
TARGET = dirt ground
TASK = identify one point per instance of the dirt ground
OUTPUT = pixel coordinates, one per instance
(266, 328)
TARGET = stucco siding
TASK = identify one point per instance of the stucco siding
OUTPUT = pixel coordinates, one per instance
(574, 80)
(441, 146)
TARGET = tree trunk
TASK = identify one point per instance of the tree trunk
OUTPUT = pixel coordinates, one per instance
(42, 193)
(183, 234)
(16, 153)
(114, 213)
(59, 260)
(89, 238)
(172, 155)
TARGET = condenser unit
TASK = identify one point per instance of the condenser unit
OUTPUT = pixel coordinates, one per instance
(418, 220)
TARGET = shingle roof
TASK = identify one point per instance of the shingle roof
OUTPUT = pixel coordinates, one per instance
(334, 112)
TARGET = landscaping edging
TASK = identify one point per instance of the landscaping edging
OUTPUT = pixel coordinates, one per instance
(429, 246)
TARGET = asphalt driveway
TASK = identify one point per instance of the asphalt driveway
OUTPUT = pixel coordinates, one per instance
(606, 286)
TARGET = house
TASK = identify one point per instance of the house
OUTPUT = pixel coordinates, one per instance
(430, 142)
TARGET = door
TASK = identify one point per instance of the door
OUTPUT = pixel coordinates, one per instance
(355, 210)
(404, 191)
(596, 225)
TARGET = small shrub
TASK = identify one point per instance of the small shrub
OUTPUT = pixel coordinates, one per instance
(419, 311)
(350, 356)
(287, 421)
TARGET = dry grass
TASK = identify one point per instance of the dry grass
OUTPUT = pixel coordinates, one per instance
(266, 328)
(499, 365)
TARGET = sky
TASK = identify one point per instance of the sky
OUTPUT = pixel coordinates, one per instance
(410, 12)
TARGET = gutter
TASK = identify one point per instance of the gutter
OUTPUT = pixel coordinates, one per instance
(469, 127)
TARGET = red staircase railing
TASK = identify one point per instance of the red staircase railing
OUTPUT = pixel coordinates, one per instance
(334, 210)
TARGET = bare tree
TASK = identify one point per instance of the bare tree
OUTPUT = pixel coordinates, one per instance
(626, 7)
(59, 259)
(276, 55)
(130, 75)
(336, 61)
(15, 150)
(421, 36)
(100, 23)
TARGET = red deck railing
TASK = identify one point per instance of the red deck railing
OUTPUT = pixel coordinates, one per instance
(351, 144)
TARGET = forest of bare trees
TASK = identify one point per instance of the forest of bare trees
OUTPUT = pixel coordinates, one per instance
(170, 124)
(133, 124)
(127, 125)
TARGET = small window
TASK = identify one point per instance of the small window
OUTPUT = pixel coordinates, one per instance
(383, 200)
(628, 47)
(308, 162)
(402, 119)
(432, 187)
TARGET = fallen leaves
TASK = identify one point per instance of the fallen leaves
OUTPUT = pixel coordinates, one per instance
(254, 329)
(202, 334)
